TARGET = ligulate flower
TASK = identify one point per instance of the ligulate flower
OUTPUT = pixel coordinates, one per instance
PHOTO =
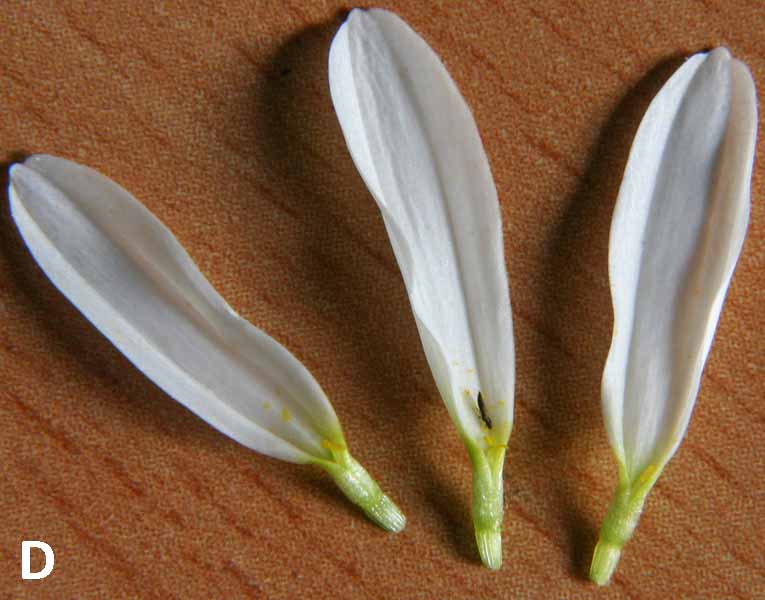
(130, 277)
(677, 231)
(416, 145)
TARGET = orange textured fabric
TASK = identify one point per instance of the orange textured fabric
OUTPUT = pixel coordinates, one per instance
(217, 116)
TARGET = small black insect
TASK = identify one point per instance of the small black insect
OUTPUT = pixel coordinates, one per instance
(482, 408)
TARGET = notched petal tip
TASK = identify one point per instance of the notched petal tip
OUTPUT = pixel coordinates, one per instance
(18, 177)
(720, 53)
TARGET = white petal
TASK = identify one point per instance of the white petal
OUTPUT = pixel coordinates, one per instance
(131, 278)
(677, 231)
(416, 145)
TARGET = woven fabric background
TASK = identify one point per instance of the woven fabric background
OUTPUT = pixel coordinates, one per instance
(217, 116)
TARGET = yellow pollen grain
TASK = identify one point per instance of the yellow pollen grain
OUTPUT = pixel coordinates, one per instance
(286, 416)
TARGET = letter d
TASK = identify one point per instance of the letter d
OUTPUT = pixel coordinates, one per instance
(26, 573)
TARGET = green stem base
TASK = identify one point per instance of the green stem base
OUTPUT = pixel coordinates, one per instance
(604, 562)
(620, 524)
(362, 490)
(488, 503)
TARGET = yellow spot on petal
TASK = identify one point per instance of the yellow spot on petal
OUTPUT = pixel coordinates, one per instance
(280, 391)
(267, 406)
(492, 443)
(286, 416)
(470, 371)
(330, 445)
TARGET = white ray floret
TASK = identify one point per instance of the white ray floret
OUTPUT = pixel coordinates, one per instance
(416, 145)
(677, 232)
(129, 276)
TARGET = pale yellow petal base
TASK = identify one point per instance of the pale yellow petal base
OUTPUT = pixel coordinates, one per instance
(488, 502)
